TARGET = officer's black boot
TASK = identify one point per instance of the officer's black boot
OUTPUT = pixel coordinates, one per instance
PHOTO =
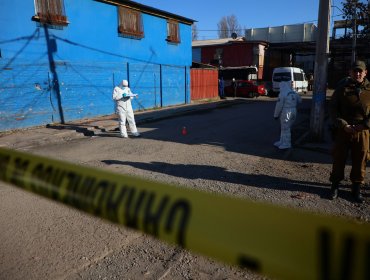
(334, 191)
(356, 191)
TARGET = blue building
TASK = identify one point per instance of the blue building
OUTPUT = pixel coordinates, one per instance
(60, 59)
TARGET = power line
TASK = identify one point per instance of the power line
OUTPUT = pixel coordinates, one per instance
(220, 30)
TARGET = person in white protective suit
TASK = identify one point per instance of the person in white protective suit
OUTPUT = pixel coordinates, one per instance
(122, 95)
(286, 111)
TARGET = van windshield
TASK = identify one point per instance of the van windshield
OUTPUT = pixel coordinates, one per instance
(281, 77)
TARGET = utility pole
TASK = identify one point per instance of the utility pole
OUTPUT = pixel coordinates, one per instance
(321, 66)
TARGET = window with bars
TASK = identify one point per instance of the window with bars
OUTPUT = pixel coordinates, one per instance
(130, 23)
(50, 12)
(173, 31)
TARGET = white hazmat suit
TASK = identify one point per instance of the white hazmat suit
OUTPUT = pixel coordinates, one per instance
(286, 110)
(122, 96)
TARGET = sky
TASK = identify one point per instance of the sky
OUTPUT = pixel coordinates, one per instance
(249, 13)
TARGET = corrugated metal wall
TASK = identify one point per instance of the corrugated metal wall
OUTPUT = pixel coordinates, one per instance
(29, 98)
(231, 55)
(204, 83)
(305, 32)
(173, 85)
(62, 74)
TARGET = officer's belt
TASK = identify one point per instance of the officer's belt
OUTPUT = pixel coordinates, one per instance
(355, 122)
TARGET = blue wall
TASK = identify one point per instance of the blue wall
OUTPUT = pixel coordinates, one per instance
(83, 61)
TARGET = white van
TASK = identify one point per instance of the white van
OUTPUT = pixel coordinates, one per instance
(294, 74)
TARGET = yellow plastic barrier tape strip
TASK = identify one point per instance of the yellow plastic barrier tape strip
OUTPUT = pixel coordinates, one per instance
(271, 240)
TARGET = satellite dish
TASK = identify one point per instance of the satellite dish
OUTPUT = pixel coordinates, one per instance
(234, 35)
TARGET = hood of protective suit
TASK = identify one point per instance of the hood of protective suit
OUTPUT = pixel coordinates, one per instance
(125, 83)
(285, 88)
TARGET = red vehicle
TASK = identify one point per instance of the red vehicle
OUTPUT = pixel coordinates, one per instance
(245, 88)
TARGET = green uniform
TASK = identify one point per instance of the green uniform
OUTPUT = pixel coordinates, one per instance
(350, 105)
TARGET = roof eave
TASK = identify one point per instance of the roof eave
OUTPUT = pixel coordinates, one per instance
(148, 10)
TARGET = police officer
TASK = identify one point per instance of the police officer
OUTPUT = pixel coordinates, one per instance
(350, 115)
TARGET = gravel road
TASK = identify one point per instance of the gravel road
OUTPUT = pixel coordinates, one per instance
(227, 151)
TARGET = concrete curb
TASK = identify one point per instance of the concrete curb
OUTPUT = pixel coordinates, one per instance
(101, 125)
(109, 123)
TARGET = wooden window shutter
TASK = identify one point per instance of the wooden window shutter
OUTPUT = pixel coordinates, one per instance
(173, 31)
(130, 23)
(50, 12)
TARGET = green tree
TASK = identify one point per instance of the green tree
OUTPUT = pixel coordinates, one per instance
(359, 11)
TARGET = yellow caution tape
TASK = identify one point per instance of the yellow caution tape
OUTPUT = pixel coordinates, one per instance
(271, 240)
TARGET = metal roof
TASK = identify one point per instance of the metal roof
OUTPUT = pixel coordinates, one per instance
(148, 10)
(226, 41)
(223, 41)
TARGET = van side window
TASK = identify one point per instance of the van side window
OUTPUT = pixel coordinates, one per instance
(298, 76)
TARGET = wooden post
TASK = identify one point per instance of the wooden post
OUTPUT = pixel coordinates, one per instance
(320, 74)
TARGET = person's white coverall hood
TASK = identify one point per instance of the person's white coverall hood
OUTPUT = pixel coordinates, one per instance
(125, 83)
(286, 110)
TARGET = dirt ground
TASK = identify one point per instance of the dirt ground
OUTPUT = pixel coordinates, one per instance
(227, 151)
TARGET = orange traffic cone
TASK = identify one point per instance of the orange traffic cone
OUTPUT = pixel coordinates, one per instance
(184, 131)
